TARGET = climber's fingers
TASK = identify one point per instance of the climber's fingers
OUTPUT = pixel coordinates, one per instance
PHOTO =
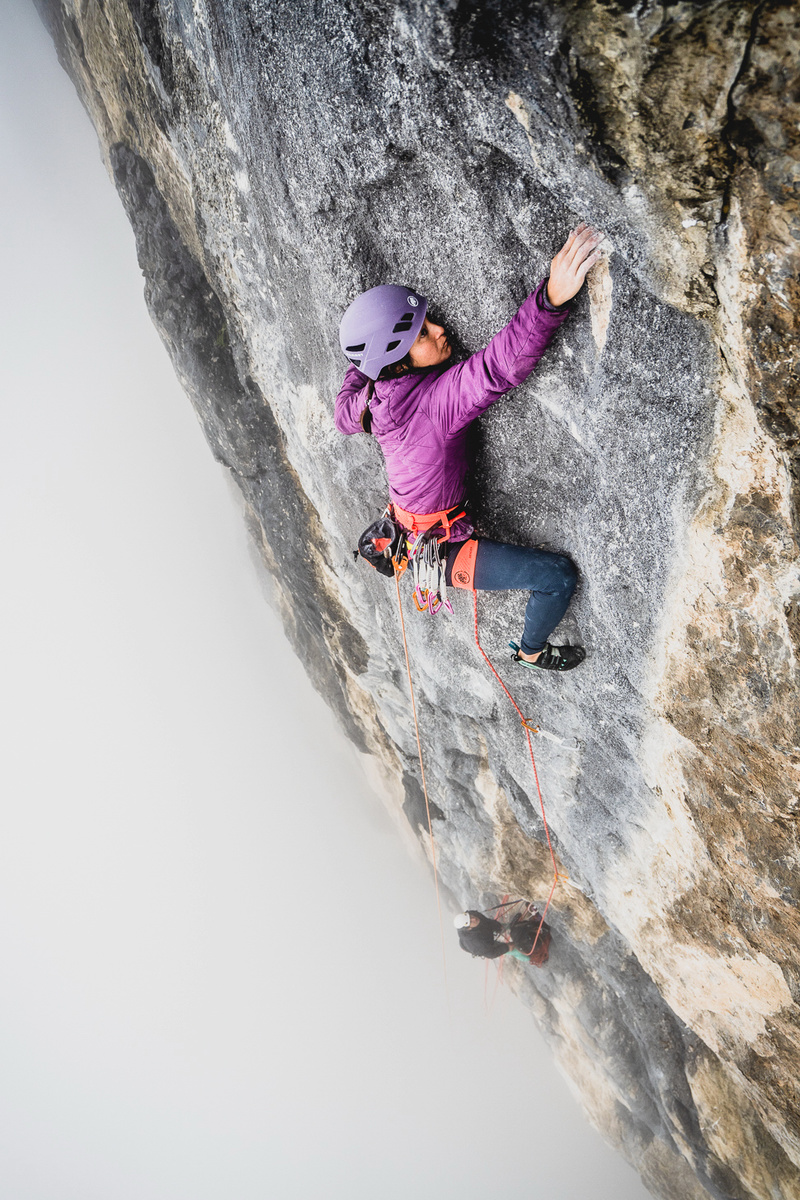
(584, 239)
(588, 263)
(569, 267)
(577, 237)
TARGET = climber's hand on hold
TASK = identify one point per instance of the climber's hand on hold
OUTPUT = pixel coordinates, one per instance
(569, 267)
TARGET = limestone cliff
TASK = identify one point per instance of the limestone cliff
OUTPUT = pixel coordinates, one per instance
(275, 158)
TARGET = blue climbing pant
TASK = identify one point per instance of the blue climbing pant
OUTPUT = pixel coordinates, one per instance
(550, 579)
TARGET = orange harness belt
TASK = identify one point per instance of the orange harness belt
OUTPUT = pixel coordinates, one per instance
(419, 522)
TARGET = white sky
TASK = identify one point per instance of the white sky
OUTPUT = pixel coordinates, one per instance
(221, 969)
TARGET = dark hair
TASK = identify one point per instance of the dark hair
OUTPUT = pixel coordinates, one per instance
(404, 366)
(396, 369)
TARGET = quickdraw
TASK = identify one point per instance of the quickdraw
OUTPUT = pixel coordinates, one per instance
(428, 573)
(428, 566)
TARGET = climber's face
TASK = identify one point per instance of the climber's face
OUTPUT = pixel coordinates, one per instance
(431, 347)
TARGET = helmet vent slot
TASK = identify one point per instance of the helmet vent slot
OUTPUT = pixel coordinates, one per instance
(393, 345)
(356, 349)
(356, 362)
(404, 323)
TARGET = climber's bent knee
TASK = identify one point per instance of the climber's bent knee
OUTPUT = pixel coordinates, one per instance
(565, 575)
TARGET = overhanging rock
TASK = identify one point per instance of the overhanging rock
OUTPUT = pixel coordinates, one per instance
(274, 160)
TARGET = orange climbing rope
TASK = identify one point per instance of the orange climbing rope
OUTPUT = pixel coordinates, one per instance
(397, 574)
(529, 729)
(488, 1005)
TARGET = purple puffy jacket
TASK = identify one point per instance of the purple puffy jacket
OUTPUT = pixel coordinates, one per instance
(420, 420)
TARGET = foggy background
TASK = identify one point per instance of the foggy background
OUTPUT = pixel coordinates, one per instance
(221, 970)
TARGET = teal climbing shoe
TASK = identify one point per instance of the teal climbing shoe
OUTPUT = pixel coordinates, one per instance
(552, 658)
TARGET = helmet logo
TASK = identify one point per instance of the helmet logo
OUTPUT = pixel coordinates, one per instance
(413, 301)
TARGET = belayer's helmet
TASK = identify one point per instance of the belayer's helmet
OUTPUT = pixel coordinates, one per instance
(462, 920)
(381, 326)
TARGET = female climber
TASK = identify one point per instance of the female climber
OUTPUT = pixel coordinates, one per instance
(400, 388)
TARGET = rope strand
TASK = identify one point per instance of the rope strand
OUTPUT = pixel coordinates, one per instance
(424, 784)
(526, 725)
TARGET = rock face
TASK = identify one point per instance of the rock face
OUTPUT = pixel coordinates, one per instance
(277, 158)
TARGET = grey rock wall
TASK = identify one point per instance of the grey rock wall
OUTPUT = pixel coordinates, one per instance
(277, 158)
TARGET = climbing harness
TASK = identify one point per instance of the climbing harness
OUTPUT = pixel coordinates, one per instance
(417, 523)
(412, 539)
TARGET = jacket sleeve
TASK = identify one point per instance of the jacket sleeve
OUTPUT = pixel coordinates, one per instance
(466, 390)
(351, 402)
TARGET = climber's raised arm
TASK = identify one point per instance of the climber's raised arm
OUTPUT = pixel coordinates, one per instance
(469, 388)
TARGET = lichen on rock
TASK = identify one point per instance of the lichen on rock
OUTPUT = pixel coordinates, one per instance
(274, 160)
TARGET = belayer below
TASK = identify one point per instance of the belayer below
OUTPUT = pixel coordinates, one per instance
(400, 388)
(526, 936)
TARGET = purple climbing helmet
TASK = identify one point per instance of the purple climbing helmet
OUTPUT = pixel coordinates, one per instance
(381, 326)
